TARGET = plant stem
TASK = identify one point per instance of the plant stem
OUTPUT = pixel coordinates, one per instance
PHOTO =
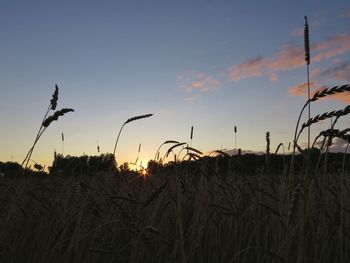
(36, 139)
(116, 142)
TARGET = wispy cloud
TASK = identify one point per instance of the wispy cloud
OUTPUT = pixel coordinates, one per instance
(290, 56)
(340, 71)
(301, 89)
(199, 81)
(250, 68)
(332, 47)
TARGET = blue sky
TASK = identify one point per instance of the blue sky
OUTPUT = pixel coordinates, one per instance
(209, 64)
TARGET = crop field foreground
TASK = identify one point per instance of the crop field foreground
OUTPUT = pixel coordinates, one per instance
(204, 211)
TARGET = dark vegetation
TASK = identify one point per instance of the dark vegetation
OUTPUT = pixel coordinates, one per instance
(215, 209)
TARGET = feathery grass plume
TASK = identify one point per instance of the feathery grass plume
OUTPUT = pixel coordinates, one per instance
(128, 121)
(62, 137)
(138, 118)
(267, 157)
(267, 143)
(55, 116)
(326, 115)
(52, 106)
(54, 99)
(307, 59)
(316, 96)
(306, 42)
(235, 130)
(330, 91)
(166, 142)
(45, 123)
(330, 132)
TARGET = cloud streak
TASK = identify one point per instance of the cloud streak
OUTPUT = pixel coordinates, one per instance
(340, 71)
(199, 81)
(301, 89)
(290, 56)
(332, 47)
(251, 68)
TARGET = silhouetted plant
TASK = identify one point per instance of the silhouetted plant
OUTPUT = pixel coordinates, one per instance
(156, 156)
(46, 122)
(128, 121)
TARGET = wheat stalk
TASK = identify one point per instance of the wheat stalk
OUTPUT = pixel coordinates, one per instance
(321, 117)
(55, 116)
(316, 96)
(128, 121)
(172, 148)
(45, 123)
(330, 91)
(191, 149)
(307, 60)
(166, 142)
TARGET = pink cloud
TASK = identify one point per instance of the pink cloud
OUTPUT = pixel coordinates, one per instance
(250, 68)
(290, 56)
(199, 81)
(339, 71)
(301, 89)
(343, 97)
(332, 47)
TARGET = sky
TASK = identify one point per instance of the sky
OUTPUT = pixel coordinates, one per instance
(212, 65)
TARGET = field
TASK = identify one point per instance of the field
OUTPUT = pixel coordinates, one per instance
(209, 210)
(194, 208)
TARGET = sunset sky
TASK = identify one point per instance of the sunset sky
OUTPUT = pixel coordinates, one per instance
(210, 64)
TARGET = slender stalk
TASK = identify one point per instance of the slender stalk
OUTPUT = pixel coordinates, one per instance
(309, 106)
(116, 142)
(128, 121)
(307, 60)
(36, 138)
(296, 136)
(160, 146)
